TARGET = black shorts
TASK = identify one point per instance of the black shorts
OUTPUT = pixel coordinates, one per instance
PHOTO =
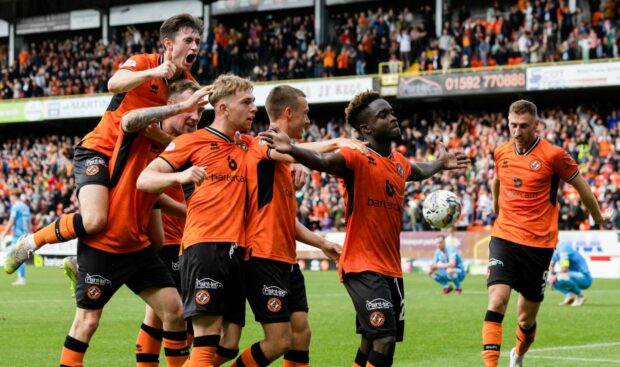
(379, 303)
(524, 268)
(275, 289)
(212, 278)
(90, 168)
(101, 274)
(169, 254)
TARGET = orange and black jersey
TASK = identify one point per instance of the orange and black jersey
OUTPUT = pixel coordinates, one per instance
(173, 225)
(375, 189)
(151, 93)
(271, 208)
(216, 208)
(528, 210)
(129, 209)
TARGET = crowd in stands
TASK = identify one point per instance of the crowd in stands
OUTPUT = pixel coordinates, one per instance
(41, 167)
(271, 48)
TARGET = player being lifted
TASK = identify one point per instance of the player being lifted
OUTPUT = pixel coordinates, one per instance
(122, 254)
(370, 265)
(142, 81)
(528, 172)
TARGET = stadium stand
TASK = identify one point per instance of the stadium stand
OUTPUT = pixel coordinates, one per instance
(271, 47)
(41, 167)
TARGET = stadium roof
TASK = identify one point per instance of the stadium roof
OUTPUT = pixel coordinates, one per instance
(15, 9)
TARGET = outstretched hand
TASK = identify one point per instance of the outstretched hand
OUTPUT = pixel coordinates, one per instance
(361, 146)
(332, 250)
(278, 140)
(452, 160)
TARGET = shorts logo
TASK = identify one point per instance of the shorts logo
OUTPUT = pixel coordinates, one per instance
(544, 281)
(274, 291)
(202, 297)
(377, 319)
(378, 304)
(97, 280)
(208, 283)
(494, 262)
(96, 160)
(92, 170)
(93, 292)
(535, 165)
(176, 266)
(274, 304)
(170, 147)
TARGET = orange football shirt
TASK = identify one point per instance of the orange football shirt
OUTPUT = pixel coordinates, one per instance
(528, 207)
(130, 209)
(151, 93)
(271, 208)
(375, 190)
(216, 209)
(173, 225)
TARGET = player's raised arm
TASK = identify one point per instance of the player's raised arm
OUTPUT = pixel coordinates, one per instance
(445, 161)
(136, 120)
(279, 141)
(589, 200)
(125, 80)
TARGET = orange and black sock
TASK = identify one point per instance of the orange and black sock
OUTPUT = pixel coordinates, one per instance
(360, 359)
(491, 338)
(203, 352)
(73, 353)
(224, 355)
(175, 348)
(65, 228)
(525, 338)
(296, 358)
(376, 359)
(252, 357)
(148, 346)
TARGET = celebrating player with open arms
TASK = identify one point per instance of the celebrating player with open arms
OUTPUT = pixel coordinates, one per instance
(370, 265)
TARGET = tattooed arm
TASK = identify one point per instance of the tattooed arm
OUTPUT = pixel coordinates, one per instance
(137, 120)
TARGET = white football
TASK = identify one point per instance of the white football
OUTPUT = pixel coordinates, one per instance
(441, 209)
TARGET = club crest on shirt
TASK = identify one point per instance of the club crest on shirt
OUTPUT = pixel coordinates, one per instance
(400, 170)
(535, 165)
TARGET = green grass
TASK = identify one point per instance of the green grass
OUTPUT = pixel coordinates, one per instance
(440, 330)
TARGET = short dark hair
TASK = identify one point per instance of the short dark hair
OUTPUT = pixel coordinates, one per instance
(181, 85)
(280, 97)
(523, 106)
(172, 25)
(357, 105)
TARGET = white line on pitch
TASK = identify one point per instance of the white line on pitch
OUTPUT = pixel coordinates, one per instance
(572, 347)
(589, 360)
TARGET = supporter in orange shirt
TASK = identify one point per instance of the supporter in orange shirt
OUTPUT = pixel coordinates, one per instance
(329, 57)
(528, 172)
(370, 264)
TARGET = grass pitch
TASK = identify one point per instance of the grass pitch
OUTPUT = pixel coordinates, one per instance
(441, 330)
